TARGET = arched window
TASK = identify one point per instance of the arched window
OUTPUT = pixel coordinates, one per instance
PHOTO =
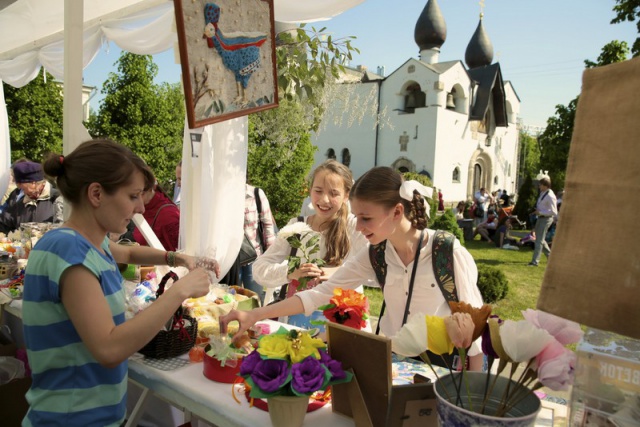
(331, 154)
(346, 157)
(495, 180)
(456, 175)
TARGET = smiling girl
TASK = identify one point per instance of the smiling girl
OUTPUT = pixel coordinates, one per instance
(74, 302)
(330, 186)
(388, 209)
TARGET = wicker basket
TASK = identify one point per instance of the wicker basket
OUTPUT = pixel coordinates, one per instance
(179, 338)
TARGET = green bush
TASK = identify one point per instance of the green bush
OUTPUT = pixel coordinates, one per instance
(492, 282)
(447, 221)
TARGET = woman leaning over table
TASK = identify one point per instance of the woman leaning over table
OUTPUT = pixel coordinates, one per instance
(77, 339)
(387, 208)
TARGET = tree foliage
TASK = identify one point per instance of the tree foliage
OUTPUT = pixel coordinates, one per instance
(612, 52)
(145, 116)
(307, 59)
(447, 222)
(529, 155)
(527, 197)
(35, 115)
(555, 142)
(280, 157)
(629, 10)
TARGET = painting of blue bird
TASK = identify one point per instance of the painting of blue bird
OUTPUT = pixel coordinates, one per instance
(239, 50)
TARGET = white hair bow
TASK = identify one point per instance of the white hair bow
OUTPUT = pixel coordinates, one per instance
(407, 188)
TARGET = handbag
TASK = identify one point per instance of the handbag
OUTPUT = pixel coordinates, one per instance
(247, 252)
(181, 332)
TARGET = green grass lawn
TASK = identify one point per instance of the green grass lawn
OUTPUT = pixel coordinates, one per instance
(524, 281)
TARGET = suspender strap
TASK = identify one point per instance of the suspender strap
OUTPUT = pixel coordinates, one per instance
(410, 293)
(442, 257)
(260, 227)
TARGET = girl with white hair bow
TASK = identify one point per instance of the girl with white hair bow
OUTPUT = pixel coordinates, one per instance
(388, 209)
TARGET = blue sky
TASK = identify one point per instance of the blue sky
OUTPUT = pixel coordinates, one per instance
(541, 45)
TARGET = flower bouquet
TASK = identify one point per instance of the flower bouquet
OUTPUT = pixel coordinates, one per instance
(346, 307)
(300, 236)
(290, 366)
(535, 344)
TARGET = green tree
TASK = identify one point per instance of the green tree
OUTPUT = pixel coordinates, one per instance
(447, 222)
(529, 155)
(555, 142)
(147, 117)
(612, 52)
(35, 114)
(280, 157)
(527, 197)
(629, 10)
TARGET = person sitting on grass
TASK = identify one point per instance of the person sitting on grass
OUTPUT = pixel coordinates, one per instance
(487, 229)
(502, 237)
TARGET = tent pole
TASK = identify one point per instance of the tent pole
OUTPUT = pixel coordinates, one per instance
(73, 131)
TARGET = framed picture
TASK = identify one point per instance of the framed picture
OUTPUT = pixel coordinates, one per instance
(227, 52)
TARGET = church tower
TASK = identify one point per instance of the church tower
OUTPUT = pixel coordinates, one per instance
(430, 33)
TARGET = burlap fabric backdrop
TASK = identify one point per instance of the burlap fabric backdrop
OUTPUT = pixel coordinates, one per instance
(594, 270)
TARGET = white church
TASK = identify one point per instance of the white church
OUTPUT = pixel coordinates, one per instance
(451, 122)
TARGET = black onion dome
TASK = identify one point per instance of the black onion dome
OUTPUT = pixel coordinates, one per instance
(479, 50)
(431, 30)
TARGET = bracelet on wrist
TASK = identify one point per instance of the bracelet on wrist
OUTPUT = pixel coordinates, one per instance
(170, 258)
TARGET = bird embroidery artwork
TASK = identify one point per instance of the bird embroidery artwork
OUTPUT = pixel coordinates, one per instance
(240, 51)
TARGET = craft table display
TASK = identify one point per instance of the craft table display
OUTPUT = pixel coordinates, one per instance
(187, 388)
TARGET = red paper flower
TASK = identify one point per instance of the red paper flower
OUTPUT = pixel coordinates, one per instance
(347, 307)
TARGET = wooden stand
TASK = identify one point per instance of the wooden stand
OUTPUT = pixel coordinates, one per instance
(370, 398)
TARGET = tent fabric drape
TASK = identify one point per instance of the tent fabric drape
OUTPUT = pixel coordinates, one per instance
(213, 188)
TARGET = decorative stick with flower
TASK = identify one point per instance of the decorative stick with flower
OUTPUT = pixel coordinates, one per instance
(346, 307)
(300, 236)
(538, 341)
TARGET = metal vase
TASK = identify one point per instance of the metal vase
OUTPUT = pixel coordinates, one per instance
(522, 414)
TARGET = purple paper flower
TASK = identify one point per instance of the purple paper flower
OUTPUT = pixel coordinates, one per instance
(249, 363)
(487, 346)
(271, 374)
(308, 376)
(334, 367)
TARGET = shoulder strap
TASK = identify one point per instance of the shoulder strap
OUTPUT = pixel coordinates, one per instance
(442, 257)
(158, 211)
(260, 229)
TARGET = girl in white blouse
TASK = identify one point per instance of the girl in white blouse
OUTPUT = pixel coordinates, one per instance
(387, 208)
(331, 183)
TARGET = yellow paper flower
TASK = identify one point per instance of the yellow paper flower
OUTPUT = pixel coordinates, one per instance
(438, 340)
(304, 346)
(275, 346)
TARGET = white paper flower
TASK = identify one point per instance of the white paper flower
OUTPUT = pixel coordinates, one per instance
(522, 340)
(299, 227)
(411, 339)
(565, 331)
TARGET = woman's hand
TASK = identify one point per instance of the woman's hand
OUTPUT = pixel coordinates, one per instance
(195, 284)
(246, 319)
(305, 270)
(192, 262)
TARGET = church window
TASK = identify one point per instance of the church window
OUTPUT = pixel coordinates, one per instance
(414, 98)
(495, 180)
(456, 174)
(411, 69)
(416, 135)
(346, 157)
(331, 154)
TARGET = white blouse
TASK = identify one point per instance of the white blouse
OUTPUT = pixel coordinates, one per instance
(271, 268)
(427, 297)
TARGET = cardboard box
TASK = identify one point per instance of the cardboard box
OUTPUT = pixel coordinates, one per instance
(12, 394)
(606, 389)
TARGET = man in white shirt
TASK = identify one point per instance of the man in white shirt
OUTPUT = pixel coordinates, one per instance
(547, 211)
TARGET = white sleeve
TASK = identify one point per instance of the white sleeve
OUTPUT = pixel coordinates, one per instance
(271, 268)
(355, 271)
(466, 276)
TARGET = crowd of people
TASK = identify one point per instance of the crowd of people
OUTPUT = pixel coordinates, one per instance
(369, 231)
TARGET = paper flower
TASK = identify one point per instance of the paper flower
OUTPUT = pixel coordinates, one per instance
(347, 307)
(290, 363)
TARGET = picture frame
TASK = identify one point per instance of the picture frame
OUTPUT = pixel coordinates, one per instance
(227, 55)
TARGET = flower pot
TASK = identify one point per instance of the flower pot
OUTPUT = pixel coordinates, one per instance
(213, 370)
(287, 411)
(522, 414)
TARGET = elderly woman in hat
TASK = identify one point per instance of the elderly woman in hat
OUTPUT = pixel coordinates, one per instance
(34, 199)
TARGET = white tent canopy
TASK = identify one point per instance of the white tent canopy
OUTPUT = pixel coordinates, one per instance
(38, 33)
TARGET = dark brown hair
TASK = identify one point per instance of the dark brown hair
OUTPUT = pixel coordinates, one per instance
(381, 185)
(337, 240)
(100, 160)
